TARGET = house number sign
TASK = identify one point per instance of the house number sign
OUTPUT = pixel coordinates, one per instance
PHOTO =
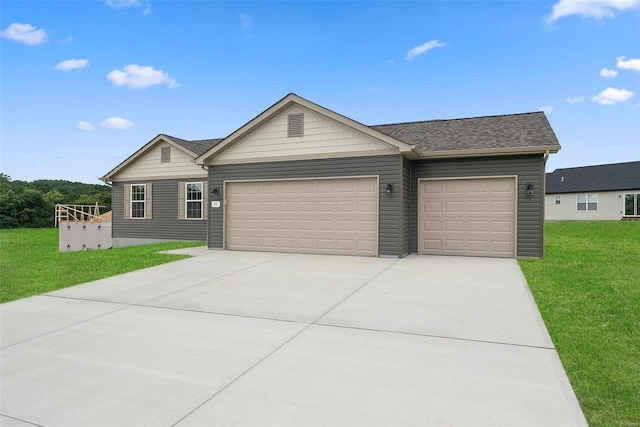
(215, 204)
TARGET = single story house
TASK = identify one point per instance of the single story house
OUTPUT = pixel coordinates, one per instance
(301, 178)
(599, 192)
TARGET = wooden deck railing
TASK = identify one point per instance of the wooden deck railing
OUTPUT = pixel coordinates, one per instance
(80, 213)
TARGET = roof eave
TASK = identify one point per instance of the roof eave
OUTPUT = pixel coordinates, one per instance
(484, 152)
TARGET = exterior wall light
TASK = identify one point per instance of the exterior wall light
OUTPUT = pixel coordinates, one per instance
(389, 189)
(529, 189)
(214, 192)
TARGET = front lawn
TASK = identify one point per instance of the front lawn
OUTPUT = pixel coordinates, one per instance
(588, 291)
(30, 263)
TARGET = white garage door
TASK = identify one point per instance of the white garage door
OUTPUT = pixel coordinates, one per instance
(320, 216)
(471, 217)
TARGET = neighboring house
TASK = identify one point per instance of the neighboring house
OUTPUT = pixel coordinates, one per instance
(301, 178)
(601, 192)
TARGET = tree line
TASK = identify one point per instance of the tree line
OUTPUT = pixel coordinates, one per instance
(32, 204)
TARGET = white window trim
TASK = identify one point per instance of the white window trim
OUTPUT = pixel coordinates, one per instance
(636, 202)
(586, 198)
(558, 200)
(131, 201)
(186, 200)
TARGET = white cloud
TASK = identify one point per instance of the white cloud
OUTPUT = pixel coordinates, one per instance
(548, 109)
(139, 77)
(597, 9)
(611, 96)
(605, 72)
(117, 123)
(72, 64)
(25, 33)
(122, 4)
(632, 64)
(84, 126)
(576, 100)
(425, 47)
(245, 21)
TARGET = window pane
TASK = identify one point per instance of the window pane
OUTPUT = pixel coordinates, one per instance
(557, 200)
(629, 207)
(582, 206)
(637, 204)
(582, 198)
(593, 206)
(137, 209)
(137, 192)
(194, 210)
(593, 198)
(194, 191)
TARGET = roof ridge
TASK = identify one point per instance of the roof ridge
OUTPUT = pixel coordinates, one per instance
(595, 166)
(459, 118)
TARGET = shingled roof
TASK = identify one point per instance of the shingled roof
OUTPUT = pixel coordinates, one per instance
(476, 133)
(198, 146)
(611, 177)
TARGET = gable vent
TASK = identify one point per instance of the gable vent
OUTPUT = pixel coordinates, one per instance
(295, 125)
(165, 154)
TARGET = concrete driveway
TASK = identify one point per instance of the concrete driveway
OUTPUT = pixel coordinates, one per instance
(242, 338)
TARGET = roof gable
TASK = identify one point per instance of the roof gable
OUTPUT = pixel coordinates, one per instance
(294, 100)
(191, 149)
(610, 177)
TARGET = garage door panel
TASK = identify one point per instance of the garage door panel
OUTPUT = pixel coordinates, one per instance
(310, 216)
(477, 219)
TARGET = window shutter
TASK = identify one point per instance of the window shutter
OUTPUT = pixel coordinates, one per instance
(148, 209)
(181, 190)
(205, 200)
(127, 201)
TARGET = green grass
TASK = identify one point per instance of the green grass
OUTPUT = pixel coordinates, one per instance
(588, 291)
(30, 263)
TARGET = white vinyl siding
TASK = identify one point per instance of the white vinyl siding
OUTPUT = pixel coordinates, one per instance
(322, 137)
(150, 166)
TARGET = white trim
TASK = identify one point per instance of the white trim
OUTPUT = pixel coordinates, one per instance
(186, 200)
(235, 181)
(515, 194)
(387, 152)
(144, 201)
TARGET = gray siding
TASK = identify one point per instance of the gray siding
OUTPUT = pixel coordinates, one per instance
(388, 168)
(528, 169)
(164, 225)
(405, 208)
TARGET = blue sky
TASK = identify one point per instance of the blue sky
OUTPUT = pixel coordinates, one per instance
(84, 84)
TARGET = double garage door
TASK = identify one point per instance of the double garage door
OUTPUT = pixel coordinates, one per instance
(471, 217)
(321, 216)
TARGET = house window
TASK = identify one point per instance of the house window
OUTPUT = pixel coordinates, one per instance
(558, 199)
(193, 200)
(138, 200)
(587, 202)
(165, 154)
(632, 204)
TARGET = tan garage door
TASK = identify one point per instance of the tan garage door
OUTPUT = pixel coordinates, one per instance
(472, 217)
(321, 216)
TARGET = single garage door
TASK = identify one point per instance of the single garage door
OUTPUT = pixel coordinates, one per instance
(319, 216)
(471, 217)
